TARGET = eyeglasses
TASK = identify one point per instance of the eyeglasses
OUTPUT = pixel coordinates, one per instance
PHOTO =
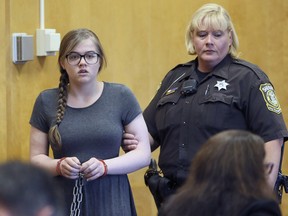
(74, 58)
(268, 168)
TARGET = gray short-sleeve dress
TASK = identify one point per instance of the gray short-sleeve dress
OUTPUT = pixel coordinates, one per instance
(94, 131)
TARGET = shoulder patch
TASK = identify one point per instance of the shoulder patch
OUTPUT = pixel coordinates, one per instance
(270, 98)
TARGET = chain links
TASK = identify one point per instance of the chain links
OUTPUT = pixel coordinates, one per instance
(77, 196)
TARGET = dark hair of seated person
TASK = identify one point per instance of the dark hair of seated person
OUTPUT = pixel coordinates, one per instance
(28, 190)
(227, 177)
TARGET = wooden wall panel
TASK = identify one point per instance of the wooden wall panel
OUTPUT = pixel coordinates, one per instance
(3, 47)
(142, 40)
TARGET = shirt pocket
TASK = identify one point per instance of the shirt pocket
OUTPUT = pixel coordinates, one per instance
(167, 108)
(215, 111)
(170, 99)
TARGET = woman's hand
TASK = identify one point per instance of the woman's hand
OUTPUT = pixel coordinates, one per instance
(93, 169)
(69, 167)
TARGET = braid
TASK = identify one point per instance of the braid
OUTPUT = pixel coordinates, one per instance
(54, 135)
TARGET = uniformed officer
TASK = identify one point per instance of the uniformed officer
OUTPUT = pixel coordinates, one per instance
(212, 93)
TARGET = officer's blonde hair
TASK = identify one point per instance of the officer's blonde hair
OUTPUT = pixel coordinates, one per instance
(211, 16)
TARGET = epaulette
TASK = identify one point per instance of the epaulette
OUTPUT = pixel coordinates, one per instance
(258, 72)
(174, 70)
(187, 64)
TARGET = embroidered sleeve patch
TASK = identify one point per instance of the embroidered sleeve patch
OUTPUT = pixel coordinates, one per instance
(270, 98)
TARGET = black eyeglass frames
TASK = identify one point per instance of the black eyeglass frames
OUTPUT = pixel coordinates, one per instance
(74, 58)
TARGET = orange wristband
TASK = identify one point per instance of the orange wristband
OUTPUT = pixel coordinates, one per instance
(105, 167)
(58, 169)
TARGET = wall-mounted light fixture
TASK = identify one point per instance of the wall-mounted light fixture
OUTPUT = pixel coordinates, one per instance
(22, 47)
(47, 40)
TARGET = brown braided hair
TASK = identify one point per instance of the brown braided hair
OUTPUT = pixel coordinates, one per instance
(68, 43)
(54, 135)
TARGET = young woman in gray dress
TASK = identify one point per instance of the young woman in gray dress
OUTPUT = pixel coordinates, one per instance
(83, 121)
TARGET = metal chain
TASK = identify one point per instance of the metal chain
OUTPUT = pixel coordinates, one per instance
(77, 197)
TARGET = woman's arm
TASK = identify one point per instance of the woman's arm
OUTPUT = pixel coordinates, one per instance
(130, 142)
(39, 151)
(133, 160)
(137, 158)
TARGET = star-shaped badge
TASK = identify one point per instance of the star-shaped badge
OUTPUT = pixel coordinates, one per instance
(221, 85)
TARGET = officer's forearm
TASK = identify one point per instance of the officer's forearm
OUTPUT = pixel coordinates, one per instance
(273, 155)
